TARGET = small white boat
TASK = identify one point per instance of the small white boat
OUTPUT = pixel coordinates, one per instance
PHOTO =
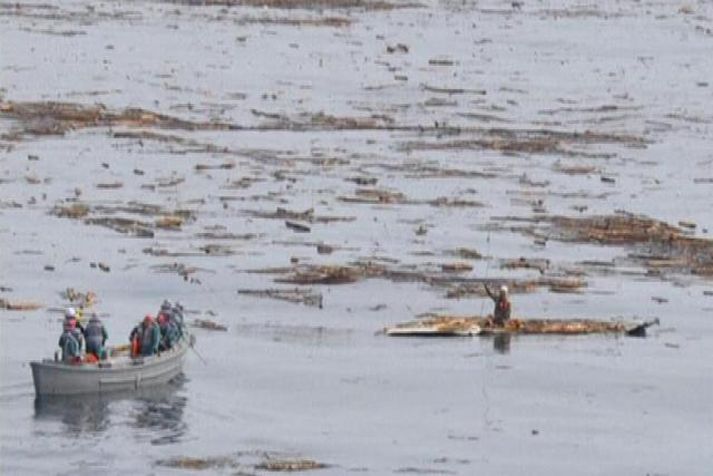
(120, 372)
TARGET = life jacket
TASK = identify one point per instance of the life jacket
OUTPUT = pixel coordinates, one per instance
(135, 347)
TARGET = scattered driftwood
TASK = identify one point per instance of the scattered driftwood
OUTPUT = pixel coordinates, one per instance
(540, 265)
(290, 465)
(196, 464)
(103, 215)
(170, 222)
(660, 246)
(438, 325)
(323, 275)
(657, 246)
(457, 267)
(57, 118)
(466, 253)
(126, 226)
(306, 216)
(180, 269)
(296, 295)
(530, 141)
(307, 4)
(208, 325)
(454, 202)
(298, 227)
(374, 196)
(75, 210)
(476, 289)
(262, 461)
(19, 305)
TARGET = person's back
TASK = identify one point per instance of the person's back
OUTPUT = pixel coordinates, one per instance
(95, 335)
(69, 345)
(150, 336)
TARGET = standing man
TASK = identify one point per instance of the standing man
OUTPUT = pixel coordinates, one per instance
(501, 313)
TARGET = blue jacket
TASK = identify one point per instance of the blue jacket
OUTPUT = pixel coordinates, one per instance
(150, 338)
(95, 334)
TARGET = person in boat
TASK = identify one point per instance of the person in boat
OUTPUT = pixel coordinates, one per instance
(501, 313)
(71, 350)
(71, 318)
(173, 314)
(178, 316)
(169, 332)
(150, 336)
(95, 336)
(135, 339)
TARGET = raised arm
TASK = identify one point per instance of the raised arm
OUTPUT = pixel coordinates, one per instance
(487, 290)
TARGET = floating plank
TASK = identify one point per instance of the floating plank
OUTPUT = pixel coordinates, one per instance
(477, 325)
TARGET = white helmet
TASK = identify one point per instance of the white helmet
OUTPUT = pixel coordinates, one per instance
(70, 313)
(504, 289)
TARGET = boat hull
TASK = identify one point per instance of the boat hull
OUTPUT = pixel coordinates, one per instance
(121, 374)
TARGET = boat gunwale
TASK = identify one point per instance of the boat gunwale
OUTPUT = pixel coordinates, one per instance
(125, 365)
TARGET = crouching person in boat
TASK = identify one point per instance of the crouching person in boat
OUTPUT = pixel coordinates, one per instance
(71, 349)
(169, 332)
(501, 313)
(95, 336)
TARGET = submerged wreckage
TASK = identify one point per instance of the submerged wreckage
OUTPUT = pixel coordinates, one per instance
(438, 325)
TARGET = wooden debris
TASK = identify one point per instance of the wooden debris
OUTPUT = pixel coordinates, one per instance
(19, 305)
(456, 267)
(75, 210)
(323, 249)
(290, 465)
(467, 253)
(109, 185)
(664, 246)
(324, 275)
(477, 325)
(170, 222)
(304, 216)
(208, 325)
(57, 118)
(296, 295)
(195, 464)
(298, 227)
(524, 263)
(375, 196)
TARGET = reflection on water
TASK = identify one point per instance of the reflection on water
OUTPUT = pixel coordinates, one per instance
(158, 410)
(79, 414)
(501, 343)
(162, 416)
